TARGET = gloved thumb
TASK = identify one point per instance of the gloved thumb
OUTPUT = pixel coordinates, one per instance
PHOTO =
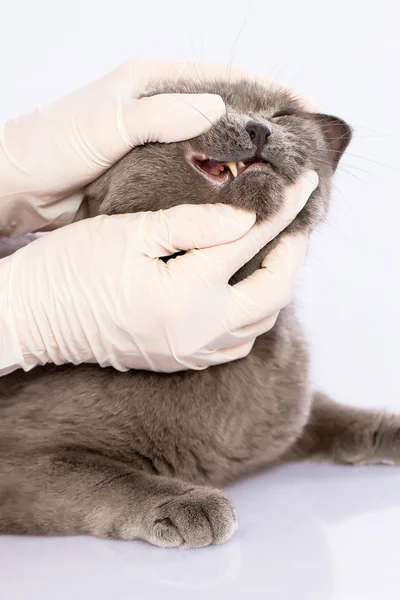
(171, 117)
(188, 226)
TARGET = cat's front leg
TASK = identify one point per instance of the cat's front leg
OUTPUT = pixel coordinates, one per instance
(195, 517)
(76, 492)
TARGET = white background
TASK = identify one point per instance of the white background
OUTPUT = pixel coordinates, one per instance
(306, 531)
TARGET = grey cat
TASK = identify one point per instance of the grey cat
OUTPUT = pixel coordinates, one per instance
(136, 455)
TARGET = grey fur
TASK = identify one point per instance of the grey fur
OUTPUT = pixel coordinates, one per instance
(85, 450)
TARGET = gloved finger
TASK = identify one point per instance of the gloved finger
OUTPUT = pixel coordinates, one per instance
(258, 328)
(244, 335)
(192, 226)
(270, 288)
(171, 117)
(225, 260)
(223, 355)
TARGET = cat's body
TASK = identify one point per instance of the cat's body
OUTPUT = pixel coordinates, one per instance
(128, 455)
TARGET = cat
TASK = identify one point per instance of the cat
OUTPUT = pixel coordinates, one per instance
(140, 455)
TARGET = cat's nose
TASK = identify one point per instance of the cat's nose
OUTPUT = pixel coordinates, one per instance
(259, 133)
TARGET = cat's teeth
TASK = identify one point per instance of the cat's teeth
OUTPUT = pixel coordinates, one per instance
(232, 166)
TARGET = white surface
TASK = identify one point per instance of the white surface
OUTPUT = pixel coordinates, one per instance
(307, 531)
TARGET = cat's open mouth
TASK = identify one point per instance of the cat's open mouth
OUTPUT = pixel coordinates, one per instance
(221, 172)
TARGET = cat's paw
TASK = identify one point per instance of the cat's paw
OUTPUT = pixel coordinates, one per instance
(198, 517)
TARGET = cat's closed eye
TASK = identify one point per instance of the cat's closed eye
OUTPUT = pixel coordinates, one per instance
(283, 113)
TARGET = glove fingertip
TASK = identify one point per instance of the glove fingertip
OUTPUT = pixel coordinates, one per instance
(211, 105)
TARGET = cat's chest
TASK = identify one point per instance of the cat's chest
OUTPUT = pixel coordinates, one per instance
(219, 424)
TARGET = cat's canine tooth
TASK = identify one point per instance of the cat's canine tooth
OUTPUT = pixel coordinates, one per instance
(232, 166)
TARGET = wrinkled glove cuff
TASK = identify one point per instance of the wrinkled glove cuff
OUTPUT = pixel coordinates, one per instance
(11, 356)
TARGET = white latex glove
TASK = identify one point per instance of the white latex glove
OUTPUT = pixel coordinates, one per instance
(48, 156)
(97, 291)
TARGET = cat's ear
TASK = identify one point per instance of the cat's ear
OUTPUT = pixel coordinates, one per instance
(337, 135)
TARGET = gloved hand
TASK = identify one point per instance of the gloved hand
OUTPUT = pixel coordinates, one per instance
(97, 290)
(46, 159)
(48, 156)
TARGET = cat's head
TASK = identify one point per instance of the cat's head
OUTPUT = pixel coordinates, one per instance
(266, 141)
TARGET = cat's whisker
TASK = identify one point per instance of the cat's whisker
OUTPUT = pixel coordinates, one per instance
(342, 165)
(305, 177)
(340, 193)
(233, 52)
(341, 234)
(196, 109)
(377, 162)
(357, 177)
(247, 17)
(366, 137)
(361, 157)
(290, 60)
(337, 190)
(382, 133)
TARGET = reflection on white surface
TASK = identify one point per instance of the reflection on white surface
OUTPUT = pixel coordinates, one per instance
(312, 532)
